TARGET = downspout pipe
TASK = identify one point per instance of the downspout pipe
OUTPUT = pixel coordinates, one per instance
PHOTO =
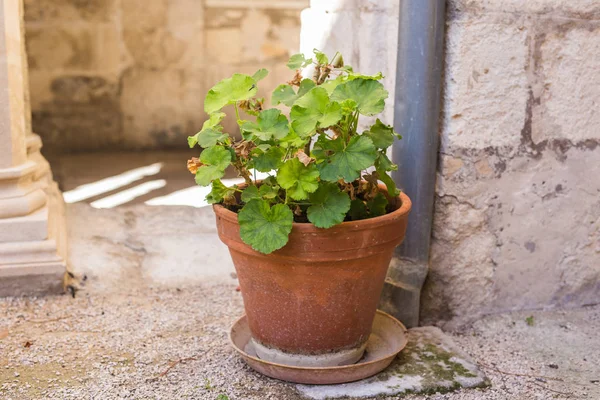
(416, 118)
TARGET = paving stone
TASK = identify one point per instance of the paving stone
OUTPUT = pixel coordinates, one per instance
(430, 363)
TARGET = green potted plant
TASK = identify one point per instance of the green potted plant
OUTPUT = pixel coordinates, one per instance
(311, 243)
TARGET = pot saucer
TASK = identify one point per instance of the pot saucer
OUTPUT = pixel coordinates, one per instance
(387, 339)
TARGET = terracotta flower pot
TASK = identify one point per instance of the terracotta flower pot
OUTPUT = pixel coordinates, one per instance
(312, 302)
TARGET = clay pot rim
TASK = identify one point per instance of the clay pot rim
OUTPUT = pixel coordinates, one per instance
(308, 227)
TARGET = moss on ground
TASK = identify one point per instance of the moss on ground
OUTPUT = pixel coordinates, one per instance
(437, 369)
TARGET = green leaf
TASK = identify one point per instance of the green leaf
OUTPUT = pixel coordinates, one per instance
(339, 162)
(381, 134)
(299, 180)
(331, 115)
(329, 206)
(376, 77)
(312, 110)
(358, 210)
(298, 61)
(285, 93)
(349, 106)
(228, 91)
(264, 192)
(215, 159)
(321, 57)
(268, 160)
(292, 140)
(260, 74)
(213, 120)
(265, 228)
(268, 192)
(207, 174)
(270, 124)
(368, 94)
(219, 192)
(250, 193)
(211, 133)
(209, 137)
(331, 84)
(384, 163)
(388, 181)
(377, 205)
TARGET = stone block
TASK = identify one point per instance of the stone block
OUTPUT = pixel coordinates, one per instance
(570, 101)
(524, 238)
(40, 82)
(84, 114)
(224, 46)
(147, 36)
(430, 363)
(69, 10)
(185, 22)
(220, 17)
(161, 108)
(32, 280)
(283, 37)
(257, 25)
(583, 9)
(144, 15)
(25, 228)
(155, 49)
(365, 6)
(79, 47)
(486, 86)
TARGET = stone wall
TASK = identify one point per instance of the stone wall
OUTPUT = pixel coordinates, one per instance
(517, 213)
(130, 74)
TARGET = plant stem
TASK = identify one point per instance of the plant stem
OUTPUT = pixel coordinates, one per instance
(237, 113)
(307, 147)
(355, 127)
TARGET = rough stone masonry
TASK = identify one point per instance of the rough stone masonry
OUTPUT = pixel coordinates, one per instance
(517, 212)
(112, 74)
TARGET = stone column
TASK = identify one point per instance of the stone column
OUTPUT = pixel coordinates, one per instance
(32, 224)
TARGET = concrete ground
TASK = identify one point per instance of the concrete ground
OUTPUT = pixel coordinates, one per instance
(153, 318)
(150, 327)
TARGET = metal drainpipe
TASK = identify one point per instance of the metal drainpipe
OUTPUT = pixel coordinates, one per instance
(417, 108)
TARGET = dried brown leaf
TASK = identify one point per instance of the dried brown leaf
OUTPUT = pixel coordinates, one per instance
(303, 157)
(243, 148)
(193, 164)
(296, 79)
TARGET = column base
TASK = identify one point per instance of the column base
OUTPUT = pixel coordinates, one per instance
(33, 250)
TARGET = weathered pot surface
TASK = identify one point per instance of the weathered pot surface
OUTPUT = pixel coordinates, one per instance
(312, 302)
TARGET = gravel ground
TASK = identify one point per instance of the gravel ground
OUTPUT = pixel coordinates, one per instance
(167, 343)
(154, 319)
